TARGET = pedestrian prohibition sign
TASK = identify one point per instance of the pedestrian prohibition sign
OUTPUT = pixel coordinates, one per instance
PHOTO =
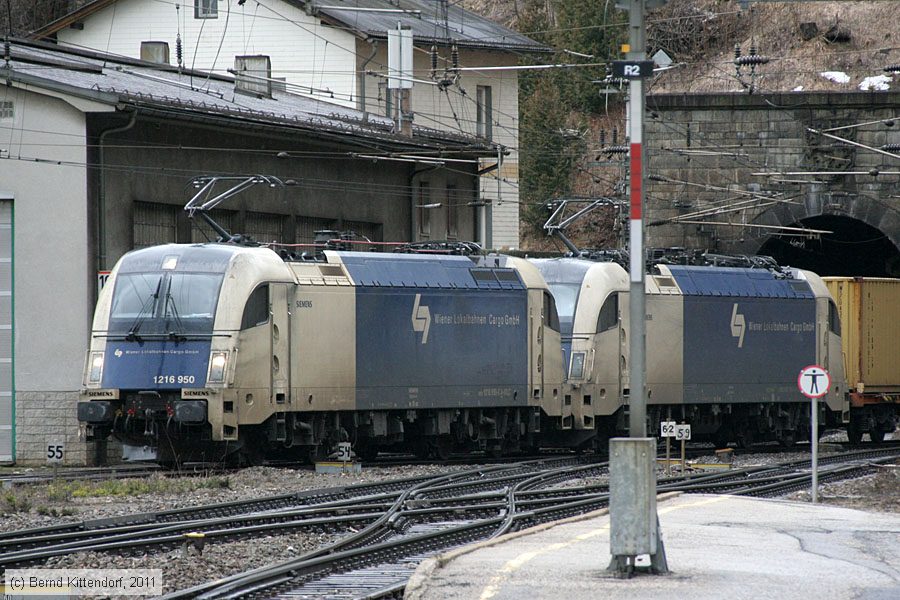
(814, 381)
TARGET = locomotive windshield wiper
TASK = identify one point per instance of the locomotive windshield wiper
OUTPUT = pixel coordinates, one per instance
(142, 315)
(178, 335)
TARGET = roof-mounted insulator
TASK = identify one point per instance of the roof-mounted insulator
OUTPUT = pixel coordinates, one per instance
(891, 147)
(454, 57)
(179, 51)
(892, 69)
(434, 61)
(688, 134)
(602, 137)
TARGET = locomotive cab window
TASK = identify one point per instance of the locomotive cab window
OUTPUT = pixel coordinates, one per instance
(551, 317)
(834, 319)
(609, 313)
(256, 311)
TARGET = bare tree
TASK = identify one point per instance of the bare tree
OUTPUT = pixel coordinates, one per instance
(20, 17)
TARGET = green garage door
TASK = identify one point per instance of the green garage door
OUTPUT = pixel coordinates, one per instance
(7, 399)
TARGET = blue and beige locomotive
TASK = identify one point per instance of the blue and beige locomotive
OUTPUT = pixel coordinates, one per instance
(724, 346)
(204, 351)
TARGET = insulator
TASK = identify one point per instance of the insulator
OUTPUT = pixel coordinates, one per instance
(737, 51)
(434, 60)
(6, 50)
(752, 49)
(689, 136)
(178, 50)
(454, 57)
(615, 135)
(751, 60)
(602, 137)
(891, 147)
(892, 69)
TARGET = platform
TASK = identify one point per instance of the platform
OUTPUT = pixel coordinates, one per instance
(717, 547)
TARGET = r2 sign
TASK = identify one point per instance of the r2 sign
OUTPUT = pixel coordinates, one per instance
(55, 452)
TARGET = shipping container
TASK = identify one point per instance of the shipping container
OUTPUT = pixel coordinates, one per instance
(869, 310)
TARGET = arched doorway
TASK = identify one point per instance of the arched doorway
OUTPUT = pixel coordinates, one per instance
(853, 249)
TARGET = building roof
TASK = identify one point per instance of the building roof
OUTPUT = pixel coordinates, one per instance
(372, 19)
(197, 95)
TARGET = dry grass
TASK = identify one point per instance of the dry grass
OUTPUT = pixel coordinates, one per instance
(795, 62)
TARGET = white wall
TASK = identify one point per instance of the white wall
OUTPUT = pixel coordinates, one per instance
(302, 50)
(455, 111)
(51, 227)
(44, 168)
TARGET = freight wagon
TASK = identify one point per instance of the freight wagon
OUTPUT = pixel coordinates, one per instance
(869, 310)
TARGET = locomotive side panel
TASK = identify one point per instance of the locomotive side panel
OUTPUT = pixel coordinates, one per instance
(665, 348)
(746, 350)
(323, 331)
(434, 348)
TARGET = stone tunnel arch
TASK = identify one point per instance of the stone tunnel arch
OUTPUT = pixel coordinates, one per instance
(854, 248)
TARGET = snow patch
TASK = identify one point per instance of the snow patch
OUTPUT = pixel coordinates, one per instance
(836, 76)
(877, 82)
(799, 88)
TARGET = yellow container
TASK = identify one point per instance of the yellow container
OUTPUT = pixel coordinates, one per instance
(869, 309)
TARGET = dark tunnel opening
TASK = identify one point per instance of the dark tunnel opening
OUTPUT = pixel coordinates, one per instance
(854, 249)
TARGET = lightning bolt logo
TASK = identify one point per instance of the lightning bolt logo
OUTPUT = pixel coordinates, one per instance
(421, 318)
(738, 325)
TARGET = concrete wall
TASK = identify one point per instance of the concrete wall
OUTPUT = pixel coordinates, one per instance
(302, 50)
(46, 174)
(722, 140)
(330, 184)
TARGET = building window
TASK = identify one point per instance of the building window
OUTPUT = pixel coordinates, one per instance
(485, 115)
(7, 110)
(206, 9)
(423, 210)
(452, 212)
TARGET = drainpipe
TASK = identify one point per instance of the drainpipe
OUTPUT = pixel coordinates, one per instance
(362, 81)
(101, 192)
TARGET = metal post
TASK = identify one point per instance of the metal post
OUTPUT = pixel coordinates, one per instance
(637, 306)
(814, 440)
(635, 67)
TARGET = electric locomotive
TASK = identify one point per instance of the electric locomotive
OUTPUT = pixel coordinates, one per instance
(724, 346)
(211, 351)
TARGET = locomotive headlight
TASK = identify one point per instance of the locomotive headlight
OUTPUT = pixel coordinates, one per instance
(95, 367)
(576, 370)
(217, 363)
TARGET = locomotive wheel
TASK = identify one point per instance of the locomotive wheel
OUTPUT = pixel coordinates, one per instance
(787, 438)
(876, 436)
(367, 451)
(443, 447)
(854, 435)
(746, 439)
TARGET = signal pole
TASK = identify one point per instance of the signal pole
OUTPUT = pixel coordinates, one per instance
(635, 55)
(634, 524)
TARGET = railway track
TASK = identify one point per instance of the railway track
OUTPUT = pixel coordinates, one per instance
(397, 523)
(350, 569)
(331, 510)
